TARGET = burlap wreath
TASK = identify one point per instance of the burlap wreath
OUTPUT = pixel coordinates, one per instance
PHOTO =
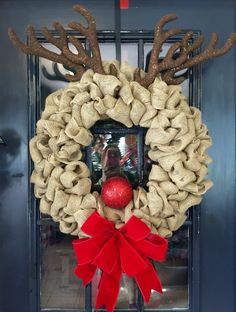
(177, 138)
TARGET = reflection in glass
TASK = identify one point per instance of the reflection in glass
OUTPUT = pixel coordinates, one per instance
(60, 288)
(129, 53)
(108, 51)
(128, 292)
(114, 155)
(52, 74)
(174, 274)
(147, 166)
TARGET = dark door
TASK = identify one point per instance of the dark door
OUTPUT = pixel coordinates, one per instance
(212, 286)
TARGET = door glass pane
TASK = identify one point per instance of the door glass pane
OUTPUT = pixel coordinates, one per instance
(52, 74)
(127, 298)
(108, 51)
(165, 48)
(114, 154)
(60, 288)
(174, 274)
(174, 271)
(129, 53)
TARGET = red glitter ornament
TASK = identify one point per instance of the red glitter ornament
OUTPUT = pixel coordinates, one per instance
(116, 192)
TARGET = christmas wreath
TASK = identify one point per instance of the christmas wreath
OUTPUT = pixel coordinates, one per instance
(177, 138)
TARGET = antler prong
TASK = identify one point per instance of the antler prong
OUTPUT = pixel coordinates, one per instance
(86, 14)
(168, 60)
(160, 37)
(17, 42)
(90, 33)
(58, 42)
(213, 41)
(196, 44)
(81, 57)
(210, 52)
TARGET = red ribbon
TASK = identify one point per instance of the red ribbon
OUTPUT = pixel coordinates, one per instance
(127, 250)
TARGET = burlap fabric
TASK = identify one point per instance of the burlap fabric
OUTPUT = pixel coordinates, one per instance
(177, 138)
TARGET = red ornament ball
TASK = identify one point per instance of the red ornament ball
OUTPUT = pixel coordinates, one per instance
(116, 192)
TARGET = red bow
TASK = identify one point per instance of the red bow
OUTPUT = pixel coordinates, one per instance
(115, 251)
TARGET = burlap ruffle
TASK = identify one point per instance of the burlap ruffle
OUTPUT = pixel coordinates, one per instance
(177, 138)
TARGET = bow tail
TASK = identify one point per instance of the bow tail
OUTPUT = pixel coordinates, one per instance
(109, 287)
(85, 272)
(148, 280)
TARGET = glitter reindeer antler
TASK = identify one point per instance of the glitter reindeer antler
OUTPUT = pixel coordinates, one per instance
(186, 49)
(170, 65)
(77, 62)
(179, 56)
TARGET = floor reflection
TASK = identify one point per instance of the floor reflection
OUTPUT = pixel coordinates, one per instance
(128, 292)
(174, 297)
(60, 288)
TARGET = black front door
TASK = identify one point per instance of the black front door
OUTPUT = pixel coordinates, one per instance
(36, 263)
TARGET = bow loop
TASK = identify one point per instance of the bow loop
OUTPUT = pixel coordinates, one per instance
(96, 225)
(132, 262)
(108, 256)
(86, 249)
(135, 229)
(154, 247)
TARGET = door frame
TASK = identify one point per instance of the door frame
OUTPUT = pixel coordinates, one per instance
(35, 106)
